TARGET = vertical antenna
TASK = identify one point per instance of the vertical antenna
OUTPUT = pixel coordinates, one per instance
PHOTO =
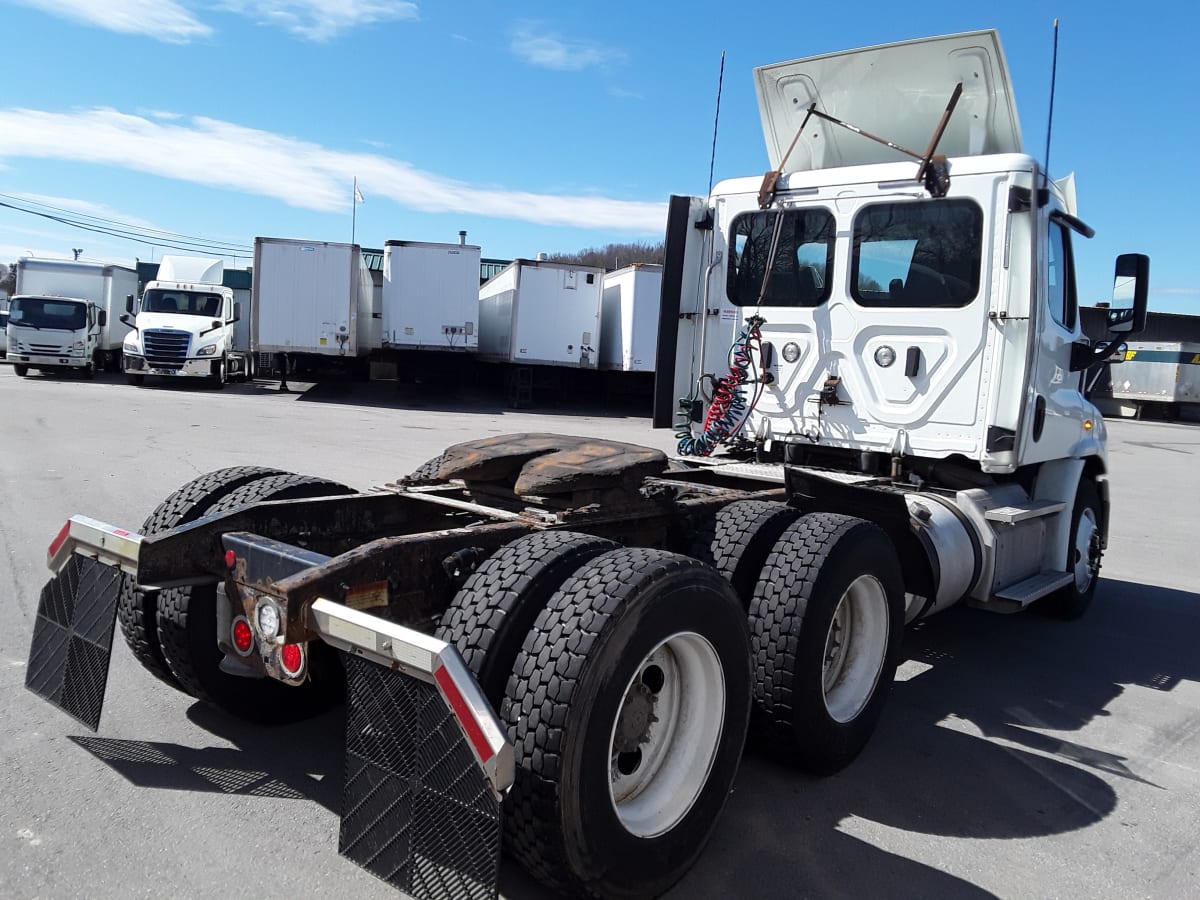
(712, 160)
(1050, 116)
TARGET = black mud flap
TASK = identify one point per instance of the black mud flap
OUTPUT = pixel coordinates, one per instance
(72, 638)
(417, 810)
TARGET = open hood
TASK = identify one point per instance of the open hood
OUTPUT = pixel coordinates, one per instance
(896, 91)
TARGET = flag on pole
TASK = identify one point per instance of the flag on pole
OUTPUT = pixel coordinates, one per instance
(358, 197)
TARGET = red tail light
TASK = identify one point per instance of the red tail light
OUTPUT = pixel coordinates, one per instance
(243, 637)
(291, 657)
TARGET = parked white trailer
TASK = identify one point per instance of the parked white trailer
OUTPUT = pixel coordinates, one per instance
(430, 296)
(65, 315)
(629, 318)
(311, 298)
(541, 313)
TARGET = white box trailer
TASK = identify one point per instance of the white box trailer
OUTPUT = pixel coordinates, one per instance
(310, 297)
(541, 313)
(629, 318)
(430, 296)
(89, 341)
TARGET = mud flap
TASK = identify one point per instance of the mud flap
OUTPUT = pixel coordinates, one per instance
(417, 810)
(72, 638)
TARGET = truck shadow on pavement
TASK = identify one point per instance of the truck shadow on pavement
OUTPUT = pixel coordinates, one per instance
(967, 748)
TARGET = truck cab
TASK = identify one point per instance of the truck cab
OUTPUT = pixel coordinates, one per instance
(50, 333)
(904, 333)
(184, 325)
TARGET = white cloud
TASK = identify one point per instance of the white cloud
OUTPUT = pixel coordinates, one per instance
(300, 173)
(84, 207)
(164, 20)
(552, 51)
(320, 20)
(173, 22)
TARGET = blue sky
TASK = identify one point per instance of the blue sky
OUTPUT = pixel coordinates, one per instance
(534, 126)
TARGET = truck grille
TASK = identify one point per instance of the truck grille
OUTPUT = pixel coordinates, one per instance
(42, 349)
(165, 349)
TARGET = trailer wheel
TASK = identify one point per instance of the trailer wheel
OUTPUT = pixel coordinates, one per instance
(628, 708)
(21, 370)
(491, 615)
(187, 631)
(137, 609)
(745, 533)
(1083, 557)
(825, 628)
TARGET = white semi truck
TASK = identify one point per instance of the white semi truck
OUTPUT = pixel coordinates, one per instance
(187, 325)
(63, 316)
(561, 640)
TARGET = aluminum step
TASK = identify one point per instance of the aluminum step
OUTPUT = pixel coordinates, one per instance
(1035, 587)
(1011, 515)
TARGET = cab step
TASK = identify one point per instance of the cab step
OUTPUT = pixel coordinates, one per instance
(1034, 588)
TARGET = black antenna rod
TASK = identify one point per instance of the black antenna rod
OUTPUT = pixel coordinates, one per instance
(712, 160)
(1050, 116)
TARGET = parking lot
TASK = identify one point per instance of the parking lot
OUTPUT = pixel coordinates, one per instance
(1018, 756)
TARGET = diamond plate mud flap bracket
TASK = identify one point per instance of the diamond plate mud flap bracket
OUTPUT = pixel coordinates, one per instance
(427, 762)
(76, 616)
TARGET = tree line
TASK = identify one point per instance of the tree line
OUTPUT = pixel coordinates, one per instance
(613, 256)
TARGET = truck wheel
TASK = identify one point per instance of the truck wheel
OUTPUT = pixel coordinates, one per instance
(744, 535)
(491, 615)
(628, 708)
(825, 630)
(1083, 557)
(137, 609)
(21, 370)
(187, 631)
(89, 371)
(221, 373)
(135, 380)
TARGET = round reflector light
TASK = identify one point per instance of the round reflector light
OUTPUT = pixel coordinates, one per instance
(243, 637)
(791, 351)
(885, 356)
(268, 619)
(292, 658)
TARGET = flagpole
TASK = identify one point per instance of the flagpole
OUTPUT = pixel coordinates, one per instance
(354, 214)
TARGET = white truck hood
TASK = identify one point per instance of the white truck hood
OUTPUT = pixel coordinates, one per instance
(191, 324)
(896, 91)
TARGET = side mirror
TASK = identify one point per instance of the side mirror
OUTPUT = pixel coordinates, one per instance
(237, 311)
(124, 318)
(1131, 287)
(102, 319)
(128, 304)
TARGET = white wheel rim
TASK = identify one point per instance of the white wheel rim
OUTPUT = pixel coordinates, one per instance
(1085, 533)
(665, 737)
(855, 647)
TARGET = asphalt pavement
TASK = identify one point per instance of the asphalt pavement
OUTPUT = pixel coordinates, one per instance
(1018, 756)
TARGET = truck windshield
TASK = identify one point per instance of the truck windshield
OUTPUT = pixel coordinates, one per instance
(803, 257)
(922, 254)
(188, 303)
(48, 312)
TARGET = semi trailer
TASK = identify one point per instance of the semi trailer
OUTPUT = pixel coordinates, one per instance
(879, 381)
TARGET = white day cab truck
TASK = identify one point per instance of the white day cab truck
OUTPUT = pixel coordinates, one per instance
(187, 325)
(560, 640)
(63, 316)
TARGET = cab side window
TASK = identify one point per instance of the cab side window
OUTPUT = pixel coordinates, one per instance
(1060, 277)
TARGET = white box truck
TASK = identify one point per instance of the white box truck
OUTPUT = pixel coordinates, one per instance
(541, 313)
(64, 315)
(311, 298)
(629, 318)
(187, 325)
(430, 296)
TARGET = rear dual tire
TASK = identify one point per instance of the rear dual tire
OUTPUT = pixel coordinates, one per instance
(826, 624)
(628, 707)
